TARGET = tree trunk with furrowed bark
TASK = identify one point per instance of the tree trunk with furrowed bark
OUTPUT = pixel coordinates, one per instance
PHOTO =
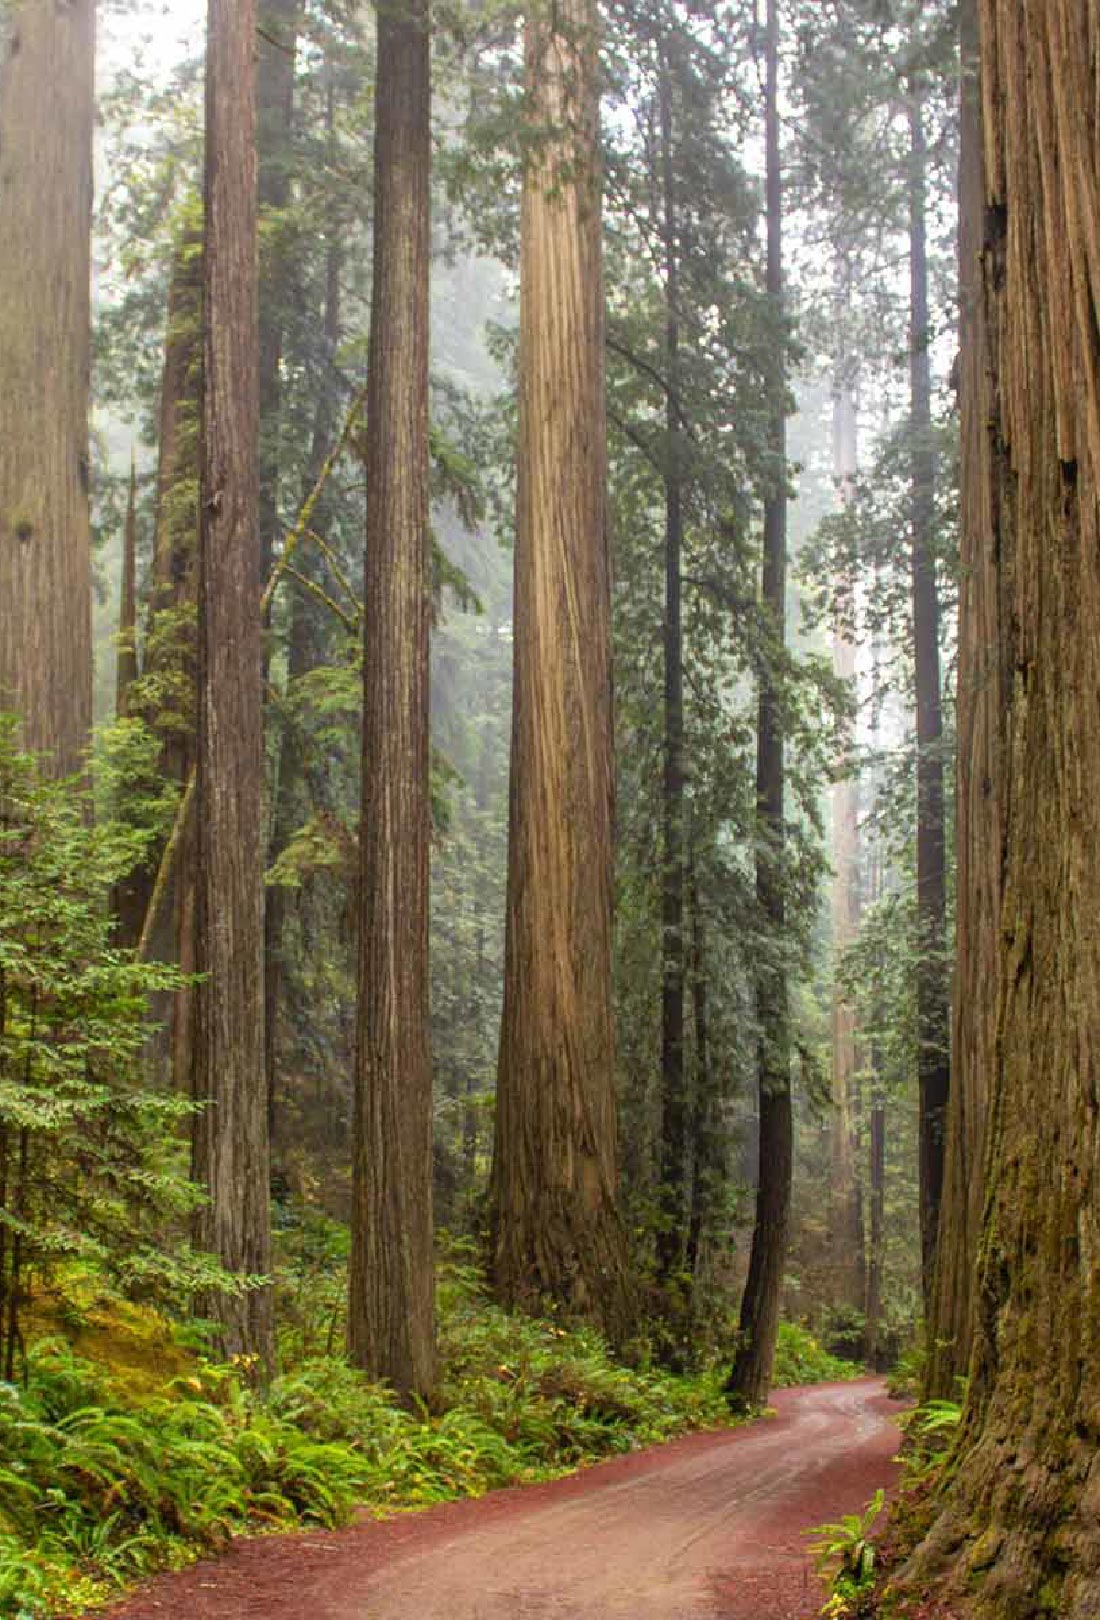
(556, 1234)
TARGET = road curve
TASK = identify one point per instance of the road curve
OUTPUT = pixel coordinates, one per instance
(709, 1527)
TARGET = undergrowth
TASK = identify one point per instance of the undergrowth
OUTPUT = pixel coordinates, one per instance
(107, 1475)
(800, 1359)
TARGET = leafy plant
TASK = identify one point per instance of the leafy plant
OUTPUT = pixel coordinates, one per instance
(845, 1554)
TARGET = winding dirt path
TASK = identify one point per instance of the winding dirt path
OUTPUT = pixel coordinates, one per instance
(709, 1527)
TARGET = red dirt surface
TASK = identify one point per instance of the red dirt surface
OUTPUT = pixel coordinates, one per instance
(709, 1527)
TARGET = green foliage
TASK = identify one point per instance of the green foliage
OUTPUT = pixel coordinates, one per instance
(91, 1169)
(845, 1553)
(100, 1484)
(800, 1359)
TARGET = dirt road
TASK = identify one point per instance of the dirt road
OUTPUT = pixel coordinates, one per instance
(707, 1528)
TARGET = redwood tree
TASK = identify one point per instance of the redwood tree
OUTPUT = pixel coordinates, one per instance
(46, 119)
(231, 1141)
(978, 814)
(1018, 1526)
(750, 1376)
(933, 1059)
(556, 1234)
(391, 1314)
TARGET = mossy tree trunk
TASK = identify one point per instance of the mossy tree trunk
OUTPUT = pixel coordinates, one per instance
(230, 1145)
(556, 1233)
(1019, 1524)
(46, 117)
(391, 1318)
(978, 815)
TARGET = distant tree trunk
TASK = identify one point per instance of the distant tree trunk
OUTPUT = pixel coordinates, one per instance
(706, 1165)
(391, 1324)
(231, 1154)
(848, 1265)
(876, 1253)
(303, 654)
(126, 662)
(1018, 1527)
(979, 811)
(128, 894)
(556, 1233)
(750, 1377)
(674, 1103)
(276, 45)
(933, 1063)
(46, 117)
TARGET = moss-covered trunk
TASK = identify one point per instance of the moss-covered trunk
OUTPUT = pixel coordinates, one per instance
(1020, 1519)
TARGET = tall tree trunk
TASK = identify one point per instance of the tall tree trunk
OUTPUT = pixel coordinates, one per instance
(303, 652)
(979, 810)
(705, 1141)
(46, 116)
(391, 1314)
(231, 1153)
(674, 1102)
(556, 1233)
(876, 1252)
(847, 1268)
(933, 1062)
(750, 1377)
(276, 46)
(1018, 1525)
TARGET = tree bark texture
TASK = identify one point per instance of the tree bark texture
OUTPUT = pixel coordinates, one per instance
(1018, 1527)
(750, 1376)
(392, 1284)
(933, 1059)
(556, 1233)
(231, 1140)
(979, 812)
(46, 117)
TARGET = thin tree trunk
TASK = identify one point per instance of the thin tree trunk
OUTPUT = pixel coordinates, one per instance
(706, 1166)
(979, 809)
(1017, 1526)
(876, 1254)
(126, 662)
(674, 1104)
(556, 1234)
(750, 1377)
(275, 54)
(303, 654)
(231, 1155)
(391, 1324)
(933, 1063)
(46, 117)
(847, 1268)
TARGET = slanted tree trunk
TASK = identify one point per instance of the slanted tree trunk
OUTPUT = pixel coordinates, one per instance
(750, 1377)
(127, 896)
(46, 116)
(1018, 1526)
(391, 1319)
(230, 1147)
(556, 1234)
(979, 811)
(933, 1061)
(671, 1231)
(847, 1259)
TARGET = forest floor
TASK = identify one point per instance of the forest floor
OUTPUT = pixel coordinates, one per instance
(709, 1527)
